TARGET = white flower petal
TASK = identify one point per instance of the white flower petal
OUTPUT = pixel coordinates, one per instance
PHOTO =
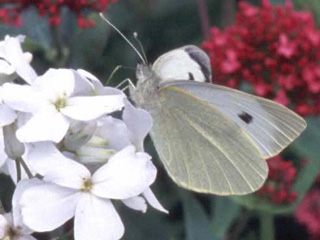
(22, 186)
(15, 56)
(153, 201)
(114, 131)
(48, 206)
(55, 84)
(3, 226)
(98, 86)
(28, 56)
(7, 115)
(136, 203)
(79, 133)
(11, 170)
(3, 155)
(139, 123)
(45, 125)
(83, 87)
(89, 108)
(95, 81)
(45, 159)
(110, 91)
(127, 174)
(13, 148)
(21, 97)
(25, 237)
(96, 218)
(7, 72)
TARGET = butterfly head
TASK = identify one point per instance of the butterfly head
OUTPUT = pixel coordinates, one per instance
(143, 73)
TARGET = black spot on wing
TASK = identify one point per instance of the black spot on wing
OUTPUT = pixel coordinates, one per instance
(202, 59)
(246, 117)
(191, 77)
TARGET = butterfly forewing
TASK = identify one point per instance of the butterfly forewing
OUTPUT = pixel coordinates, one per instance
(202, 149)
(187, 63)
(270, 125)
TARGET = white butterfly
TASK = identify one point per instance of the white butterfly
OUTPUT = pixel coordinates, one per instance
(211, 139)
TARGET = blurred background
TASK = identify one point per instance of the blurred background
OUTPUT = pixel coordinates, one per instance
(269, 48)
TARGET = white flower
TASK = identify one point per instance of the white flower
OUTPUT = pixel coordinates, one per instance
(71, 191)
(98, 88)
(11, 149)
(53, 101)
(14, 61)
(111, 136)
(7, 114)
(11, 225)
(139, 123)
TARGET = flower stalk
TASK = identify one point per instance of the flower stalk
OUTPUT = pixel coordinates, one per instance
(204, 18)
(266, 226)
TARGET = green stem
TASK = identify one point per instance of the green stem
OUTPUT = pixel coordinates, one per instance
(266, 226)
(56, 41)
(26, 168)
(240, 226)
(18, 167)
(228, 12)
(204, 18)
(1, 208)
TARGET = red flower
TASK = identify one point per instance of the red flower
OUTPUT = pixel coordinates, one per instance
(273, 48)
(308, 213)
(11, 9)
(277, 188)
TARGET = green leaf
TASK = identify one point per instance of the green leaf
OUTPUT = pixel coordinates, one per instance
(225, 211)
(197, 224)
(88, 45)
(38, 32)
(311, 6)
(277, 1)
(308, 146)
(6, 191)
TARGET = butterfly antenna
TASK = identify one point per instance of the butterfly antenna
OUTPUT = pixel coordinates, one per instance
(124, 37)
(135, 35)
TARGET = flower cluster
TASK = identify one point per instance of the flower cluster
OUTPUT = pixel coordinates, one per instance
(308, 212)
(68, 156)
(277, 188)
(273, 48)
(10, 10)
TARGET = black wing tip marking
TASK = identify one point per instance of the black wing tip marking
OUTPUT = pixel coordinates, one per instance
(246, 117)
(199, 58)
(191, 77)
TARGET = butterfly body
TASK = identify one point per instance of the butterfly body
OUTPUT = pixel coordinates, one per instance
(145, 95)
(210, 138)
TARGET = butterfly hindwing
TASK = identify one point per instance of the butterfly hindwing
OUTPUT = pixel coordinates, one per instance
(270, 125)
(202, 149)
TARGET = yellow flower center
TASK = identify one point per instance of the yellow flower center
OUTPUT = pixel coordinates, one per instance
(60, 103)
(87, 185)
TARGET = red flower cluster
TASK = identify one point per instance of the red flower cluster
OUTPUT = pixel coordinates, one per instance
(11, 9)
(273, 48)
(277, 188)
(308, 213)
